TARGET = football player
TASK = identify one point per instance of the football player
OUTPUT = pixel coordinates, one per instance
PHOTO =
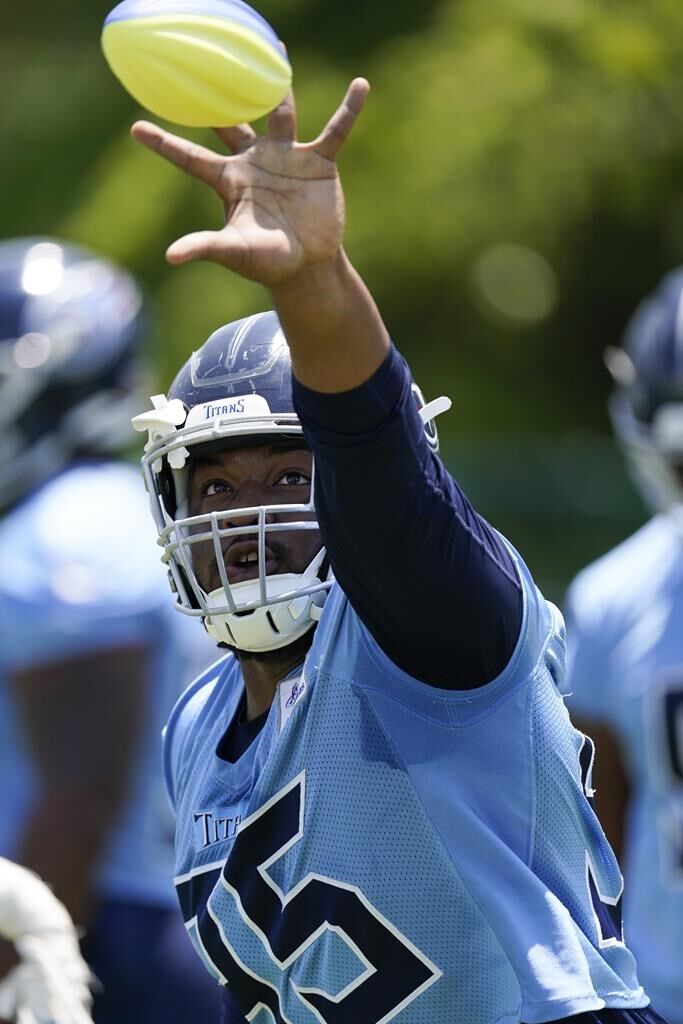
(382, 808)
(89, 663)
(626, 648)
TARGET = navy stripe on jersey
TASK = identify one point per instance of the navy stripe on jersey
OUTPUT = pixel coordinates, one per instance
(230, 1011)
(247, 990)
(195, 890)
(432, 581)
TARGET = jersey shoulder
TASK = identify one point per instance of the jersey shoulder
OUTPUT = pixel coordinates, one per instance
(606, 602)
(345, 647)
(81, 567)
(194, 707)
(619, 584)
(95, 516)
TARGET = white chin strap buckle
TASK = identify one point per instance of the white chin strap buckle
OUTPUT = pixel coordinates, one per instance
(434, 408)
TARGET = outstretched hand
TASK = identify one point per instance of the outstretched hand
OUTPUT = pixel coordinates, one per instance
(284, 207)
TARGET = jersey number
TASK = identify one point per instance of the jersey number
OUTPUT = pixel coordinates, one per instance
(396, 972)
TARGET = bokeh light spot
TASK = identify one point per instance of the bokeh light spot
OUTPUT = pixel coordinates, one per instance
(32, 350)
(43, 269)
(515, 284)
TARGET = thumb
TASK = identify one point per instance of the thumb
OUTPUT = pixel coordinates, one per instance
(199, 245)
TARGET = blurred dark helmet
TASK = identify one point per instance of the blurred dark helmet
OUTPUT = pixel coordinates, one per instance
(70, 327)
(647, 406)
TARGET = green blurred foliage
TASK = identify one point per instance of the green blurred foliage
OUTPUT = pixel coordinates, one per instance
(513, 189)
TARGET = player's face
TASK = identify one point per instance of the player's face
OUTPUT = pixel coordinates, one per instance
(238, 478)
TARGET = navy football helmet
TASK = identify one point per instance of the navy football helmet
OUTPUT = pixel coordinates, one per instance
(70, 323)
(647, 406)
(235, 391)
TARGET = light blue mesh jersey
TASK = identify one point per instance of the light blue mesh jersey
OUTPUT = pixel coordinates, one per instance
(394, 851)
(80, 572)
(626, 671)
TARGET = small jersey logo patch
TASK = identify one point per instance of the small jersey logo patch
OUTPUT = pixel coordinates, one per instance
(290, 691)
(297, 689)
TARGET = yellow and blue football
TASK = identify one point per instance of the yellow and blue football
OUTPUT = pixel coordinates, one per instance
(199, 63)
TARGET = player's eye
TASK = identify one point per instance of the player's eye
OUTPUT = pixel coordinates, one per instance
(293, 478)
(213, 487)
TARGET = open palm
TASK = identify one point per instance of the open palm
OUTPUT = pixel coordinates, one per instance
(284, 207)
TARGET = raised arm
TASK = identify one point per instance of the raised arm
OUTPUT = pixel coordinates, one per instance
(433, 582)
(284, 226)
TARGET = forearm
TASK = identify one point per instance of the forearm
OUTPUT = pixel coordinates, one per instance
(62, 842)
(334, 330)
(82, 760)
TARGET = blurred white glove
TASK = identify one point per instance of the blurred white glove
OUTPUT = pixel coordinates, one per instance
(51, 984)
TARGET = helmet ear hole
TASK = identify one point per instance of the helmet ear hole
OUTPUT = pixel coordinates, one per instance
(191, 597)
(167, 490)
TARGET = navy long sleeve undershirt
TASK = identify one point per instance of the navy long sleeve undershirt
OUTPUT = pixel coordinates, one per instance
(431, 580)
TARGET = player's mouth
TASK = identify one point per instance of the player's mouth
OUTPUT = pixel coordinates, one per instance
(242, 561)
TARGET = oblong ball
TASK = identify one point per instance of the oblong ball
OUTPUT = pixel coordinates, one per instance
(200, 63)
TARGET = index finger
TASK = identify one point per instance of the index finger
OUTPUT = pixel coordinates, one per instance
(338, 128)
(238, 137)
(198, 161)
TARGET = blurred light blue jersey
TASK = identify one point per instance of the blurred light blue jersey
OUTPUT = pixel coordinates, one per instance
(81, 572)
(397, 851)
(626, 672)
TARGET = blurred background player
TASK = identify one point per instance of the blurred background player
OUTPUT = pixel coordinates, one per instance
(51, 981)
(625, 631)
(91, 654)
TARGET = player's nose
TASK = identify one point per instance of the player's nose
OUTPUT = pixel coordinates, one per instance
(251, 496)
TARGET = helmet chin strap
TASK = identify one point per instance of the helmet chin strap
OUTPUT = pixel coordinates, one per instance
(274, 625)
